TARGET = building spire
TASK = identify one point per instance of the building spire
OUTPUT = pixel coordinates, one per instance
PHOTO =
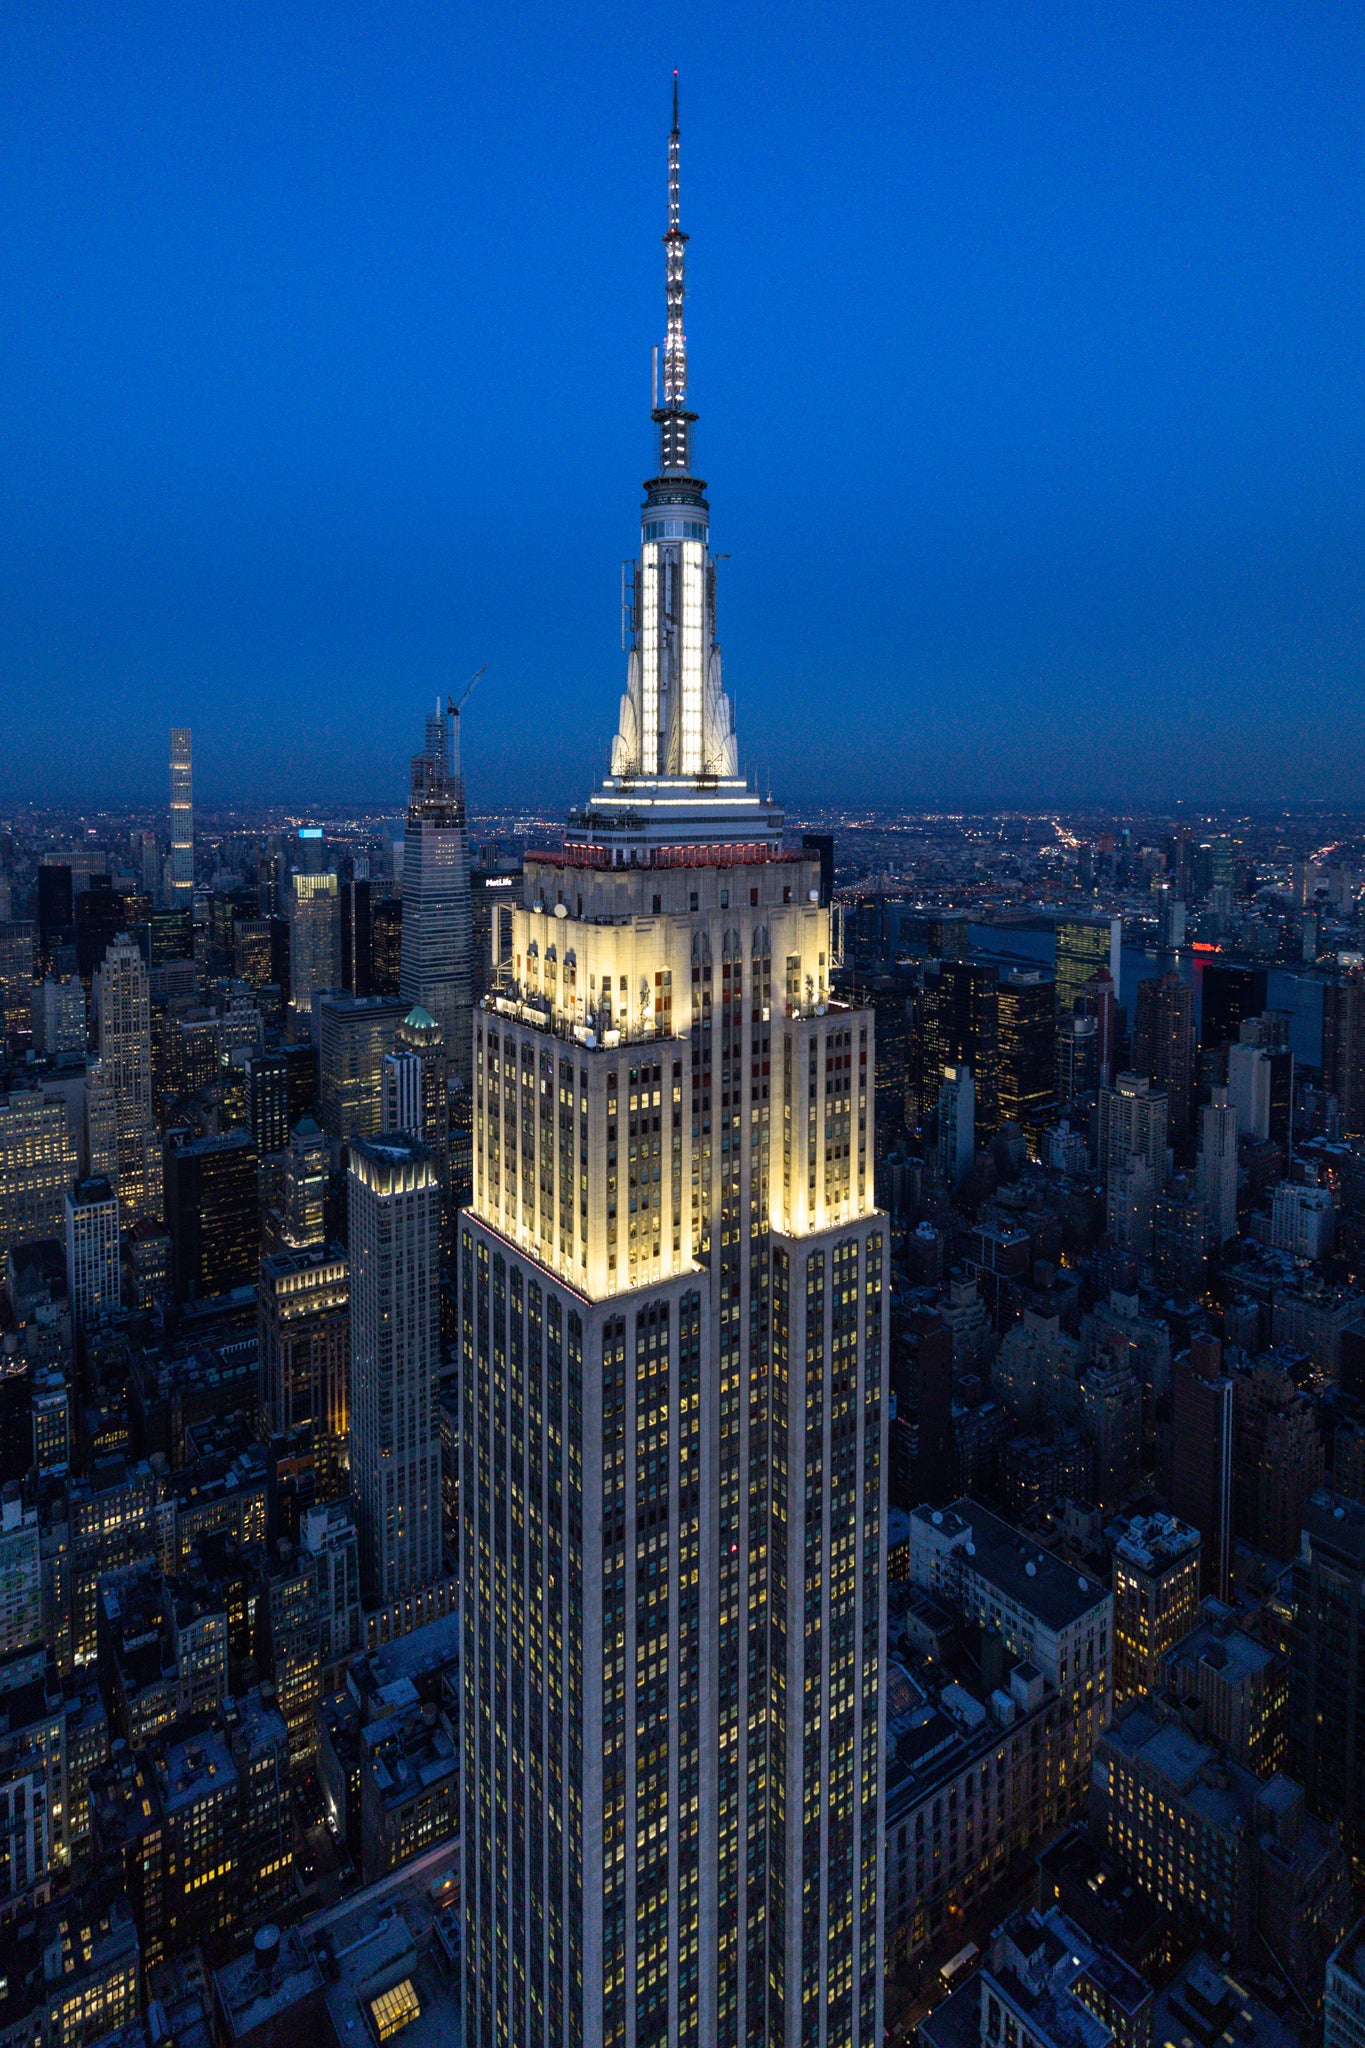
(675, 729)
(675, 241)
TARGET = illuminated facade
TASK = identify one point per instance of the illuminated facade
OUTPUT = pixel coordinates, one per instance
(180, 871)
(1156, 1598)
(414, 1087)
(314, 945)
(124, 1141)
(673, 1365)
(305, 1340)
(38, 1163)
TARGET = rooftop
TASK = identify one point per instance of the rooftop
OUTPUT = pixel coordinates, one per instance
(1202, 1780)
(1206, 2004)
(403, 1930)
(1152, 1542)
(210, 1148)
(1055, 2014)
(1056, 1593)
(1229, 1650)
(421, 1652)
(956, 2023)
(1336, 1525)
(188, 1771)
(255, 1988)
(942, 1717)
(395, 1148)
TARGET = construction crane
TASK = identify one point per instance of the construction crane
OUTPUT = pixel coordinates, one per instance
(453, 708)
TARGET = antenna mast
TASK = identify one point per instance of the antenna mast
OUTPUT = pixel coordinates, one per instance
(675, 242)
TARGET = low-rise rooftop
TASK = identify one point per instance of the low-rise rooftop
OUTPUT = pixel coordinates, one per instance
(1057, 1593)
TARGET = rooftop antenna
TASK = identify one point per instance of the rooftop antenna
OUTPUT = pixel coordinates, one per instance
(675, 241)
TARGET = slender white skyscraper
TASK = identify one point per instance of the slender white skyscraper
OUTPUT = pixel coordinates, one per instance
(672, 1401)
(180, 889)
(394, 1216)
(435, 964)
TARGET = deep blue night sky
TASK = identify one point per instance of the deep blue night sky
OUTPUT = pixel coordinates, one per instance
(1027, 343)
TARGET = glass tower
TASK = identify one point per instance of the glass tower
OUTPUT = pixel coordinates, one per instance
(435, 970)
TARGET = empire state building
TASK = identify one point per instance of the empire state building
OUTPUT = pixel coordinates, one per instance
(673, 1393)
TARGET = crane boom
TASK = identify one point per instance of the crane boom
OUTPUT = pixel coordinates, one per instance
(455, 707)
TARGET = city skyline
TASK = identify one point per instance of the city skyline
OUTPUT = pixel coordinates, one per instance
(1059, 322)
(676, 1420)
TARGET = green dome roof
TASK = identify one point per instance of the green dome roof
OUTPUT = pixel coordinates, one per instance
(422, 1019)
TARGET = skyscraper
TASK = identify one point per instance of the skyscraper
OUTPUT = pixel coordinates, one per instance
(304, 1323)
(211, 1214)
(314, 945)
(386, 945)
(436, 933)
(394, 1209)
(1216, 1168)
(1084, 944)
(59, 1026)
(1098, 999)
(354, 1036)
(415, 1095)
(956, 1112)
(123, 1082)
(92, 1250)
(1163, 1044)
(1156, 1598)
(1326, 1710)
(1201, 1456)
(1129, 1205)
(1343, 1046)
(1250, 1074)
(56, 913)
(1180, 1236)
(1133, 1125)
(17, 961)
(305, 1186)
(1229, 995)
(267, 1100)
(956, 1022)
(673, 1366)
(38, 1163)
(355, 937)
(180, 873)
(1025, 1035)
(147, 853)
